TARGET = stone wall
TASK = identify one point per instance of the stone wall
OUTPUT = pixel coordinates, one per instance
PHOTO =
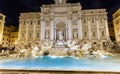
(7, 71)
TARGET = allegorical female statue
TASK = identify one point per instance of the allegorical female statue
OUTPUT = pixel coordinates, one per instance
(60, 1)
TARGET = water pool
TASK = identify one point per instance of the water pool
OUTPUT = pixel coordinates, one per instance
(62, 63)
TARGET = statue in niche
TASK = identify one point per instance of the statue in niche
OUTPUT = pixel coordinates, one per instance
(60, 35)
(60, 1)
(75, 34)
(46, 34)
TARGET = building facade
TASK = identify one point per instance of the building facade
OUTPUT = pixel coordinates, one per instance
(111, 31)
(2, 21)
(67, 19)
(6, 38)
(116, 22)
(10, 36)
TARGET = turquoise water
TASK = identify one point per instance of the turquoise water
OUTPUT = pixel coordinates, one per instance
(63, 63)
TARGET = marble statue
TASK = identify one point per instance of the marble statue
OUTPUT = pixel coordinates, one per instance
(60, 1)
(86, 46)
(72, 45)
(60, 35)
(47, 44)
(75, 34)
(34, 50)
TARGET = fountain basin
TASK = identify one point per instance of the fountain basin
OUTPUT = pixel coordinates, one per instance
(61, 64)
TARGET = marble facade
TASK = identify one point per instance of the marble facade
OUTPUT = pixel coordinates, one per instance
(69, 18)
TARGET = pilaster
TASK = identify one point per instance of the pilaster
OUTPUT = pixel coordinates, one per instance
(98, 30)
(89, 29)
(52, 30)
(80, 33)
(107, 30)
(70, 30)
(42, 29)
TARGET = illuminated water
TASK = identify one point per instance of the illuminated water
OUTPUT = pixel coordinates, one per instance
(63, 63)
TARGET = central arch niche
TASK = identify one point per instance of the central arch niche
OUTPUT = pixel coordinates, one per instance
(61, 26)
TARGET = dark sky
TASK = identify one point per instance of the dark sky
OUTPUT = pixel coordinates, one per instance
(12, 8)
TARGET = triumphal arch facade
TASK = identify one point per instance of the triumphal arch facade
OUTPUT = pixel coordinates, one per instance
(62, 22)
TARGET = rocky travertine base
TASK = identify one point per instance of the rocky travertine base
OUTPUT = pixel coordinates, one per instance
(57, 52)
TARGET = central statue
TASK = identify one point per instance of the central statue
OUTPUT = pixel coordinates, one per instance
(60, 1)
(60, 35)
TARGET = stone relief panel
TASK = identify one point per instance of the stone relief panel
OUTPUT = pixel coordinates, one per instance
(60, 9)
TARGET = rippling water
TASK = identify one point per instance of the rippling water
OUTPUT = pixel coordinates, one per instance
(63, 63)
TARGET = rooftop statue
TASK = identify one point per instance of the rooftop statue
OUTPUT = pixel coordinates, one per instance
(60, 1)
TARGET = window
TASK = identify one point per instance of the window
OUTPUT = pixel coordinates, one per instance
(1, 17)
(38, 35)
(91, 11)
(23, 23)
(92, 20)
(84, 21)
(99, 11)
(94, 34)
(31, 23)
(38, 22)
(103, 33)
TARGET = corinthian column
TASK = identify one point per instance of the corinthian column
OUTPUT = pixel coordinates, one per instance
(80, 33)
(27, 28)
(34, 30)
(107, 30)
(42, 30)
(98, 30)
(52, 30)
(89, 29)
(70, 30)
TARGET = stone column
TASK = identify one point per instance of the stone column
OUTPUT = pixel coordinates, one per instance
(106, 27)
(34, 30)
(70, 30)
(66, 34)
(80, 33)
(54, 34)
(27, 28)
(52, 30)
(89, 29)
(98, 30)
(42, 29)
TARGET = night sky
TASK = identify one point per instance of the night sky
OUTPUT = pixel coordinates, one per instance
(13, 8)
